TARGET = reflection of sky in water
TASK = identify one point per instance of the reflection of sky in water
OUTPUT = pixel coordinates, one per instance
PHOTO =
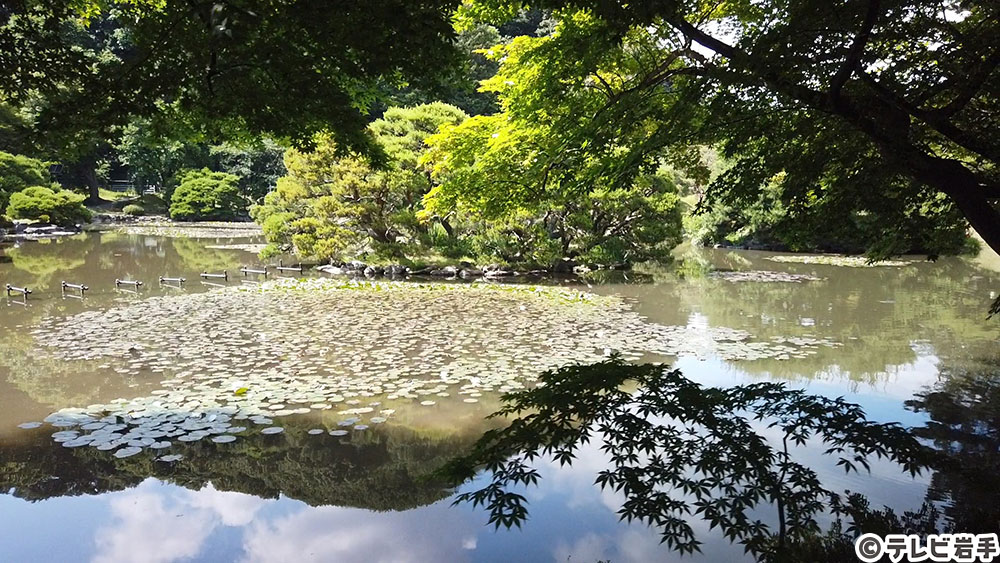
(159, 523)
(571, 520)
(899, 324)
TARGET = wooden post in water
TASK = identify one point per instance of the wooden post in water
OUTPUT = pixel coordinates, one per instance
(179, 281)
(77, 286)
(224, 275)
(133, 283)
(22, 290)
(281, 267)
(247, 271)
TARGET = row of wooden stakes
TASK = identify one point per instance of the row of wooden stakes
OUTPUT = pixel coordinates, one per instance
(24, 292)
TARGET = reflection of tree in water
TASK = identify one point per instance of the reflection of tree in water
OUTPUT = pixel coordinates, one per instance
(880, 314)
(680, 452)
(48, 381)
(388, 468)
(44, 259)
(964, 411)
(193, 255)
(98, 258)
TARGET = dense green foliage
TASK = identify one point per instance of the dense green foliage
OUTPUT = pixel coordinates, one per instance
(27, 192)
(259, 65)
(461, 89)
(932, 226)
(512, 170)
(258, 165)
(155, 159)
(204, 195)
(822, 98)
(38, 203)
(332, 205)
(12, 130)
(856, 126)
(18, 172)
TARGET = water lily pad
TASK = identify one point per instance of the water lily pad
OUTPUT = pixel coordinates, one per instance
(285, 364)
(127, 452)
(76, 443)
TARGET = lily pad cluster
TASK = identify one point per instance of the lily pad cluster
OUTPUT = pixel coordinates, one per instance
(761, 276)
(254, 248)
(203, 229)
(836, 260)
(239, 357)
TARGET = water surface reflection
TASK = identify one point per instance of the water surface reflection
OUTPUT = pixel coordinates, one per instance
(298, 497)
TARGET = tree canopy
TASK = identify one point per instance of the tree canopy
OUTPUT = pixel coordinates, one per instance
(871, 113)
(290, 69)
(331, 205)
(863, 107)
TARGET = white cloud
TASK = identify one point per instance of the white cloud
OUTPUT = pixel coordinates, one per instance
(233, 509)
(437, 532)
(150, 527)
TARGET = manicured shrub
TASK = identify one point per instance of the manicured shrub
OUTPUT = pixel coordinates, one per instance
(37, 203)
(18, 172)
(206, 195)
(133, 210)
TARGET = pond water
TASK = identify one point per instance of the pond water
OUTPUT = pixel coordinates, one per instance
(374, 389)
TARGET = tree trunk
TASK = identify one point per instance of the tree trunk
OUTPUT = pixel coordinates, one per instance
(962, 186)
(447, 227)
(982, 215)
(89, 173)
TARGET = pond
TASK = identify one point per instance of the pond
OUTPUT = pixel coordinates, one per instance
(298, 420)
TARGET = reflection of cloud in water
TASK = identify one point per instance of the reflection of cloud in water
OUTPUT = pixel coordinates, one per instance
(151, 527)
(434, 533)
(630, 545)
(233, 509)
(576, 481)
(157, 524)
